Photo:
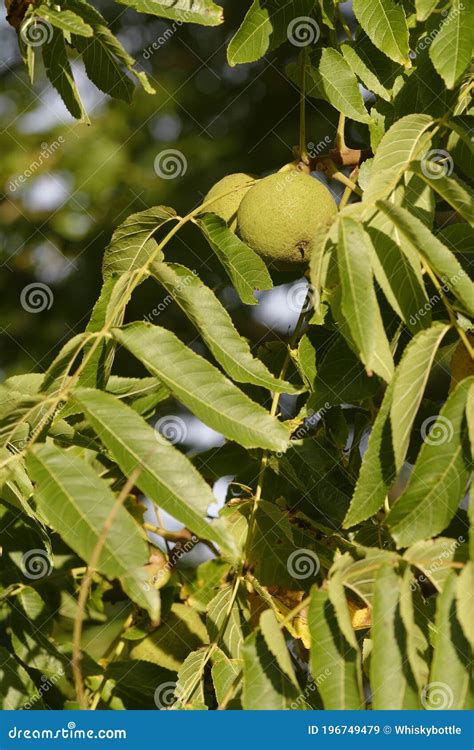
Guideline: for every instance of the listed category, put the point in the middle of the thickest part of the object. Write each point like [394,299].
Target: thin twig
[273,412]
[85,587]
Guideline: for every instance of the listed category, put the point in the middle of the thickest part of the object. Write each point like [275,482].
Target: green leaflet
[103,67]
[440,475]
[105,56]
[189,689]
[417,646]
[359,65]
[424,8]
[204,12]
[399,275]
[450,188]
[135,683]
[132,246]
[265,686]
[406,140]
[435,557]
[377,471]
[231,638]
[465,601]
[58,371]
[442,261]
[337,597]
[396,264]
[325,247]
[458,237]
[77,503]
[358,576]
[224,673]
[451,49]
[333,657]
[16,685]
[392,682]
[385,23]
[108,310]
[245,268]
[60,75]
[266,26]
[409,384]
[450,682]
[142,394]
[340,378]
[202,388]
[66,20]
[359,302]
[470,429]
[181,632]
[167,476]
[216,327]
[276,643]
[15,485]
[340,86]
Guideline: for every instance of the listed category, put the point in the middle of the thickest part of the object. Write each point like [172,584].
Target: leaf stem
[348,191]
[451,314]
[340,141]
[212,646]
[85,587]
[282,623]
[343,23]
[273,411]
[116,653]
[303,154]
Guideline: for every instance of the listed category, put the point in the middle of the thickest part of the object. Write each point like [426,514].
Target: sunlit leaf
[440,475]
[202,388]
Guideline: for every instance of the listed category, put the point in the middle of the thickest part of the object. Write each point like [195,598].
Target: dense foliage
[338,571]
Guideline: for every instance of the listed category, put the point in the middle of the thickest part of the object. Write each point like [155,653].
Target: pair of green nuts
[278,216]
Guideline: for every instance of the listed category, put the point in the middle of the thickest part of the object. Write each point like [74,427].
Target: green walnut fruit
[280,217]
[227,206]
